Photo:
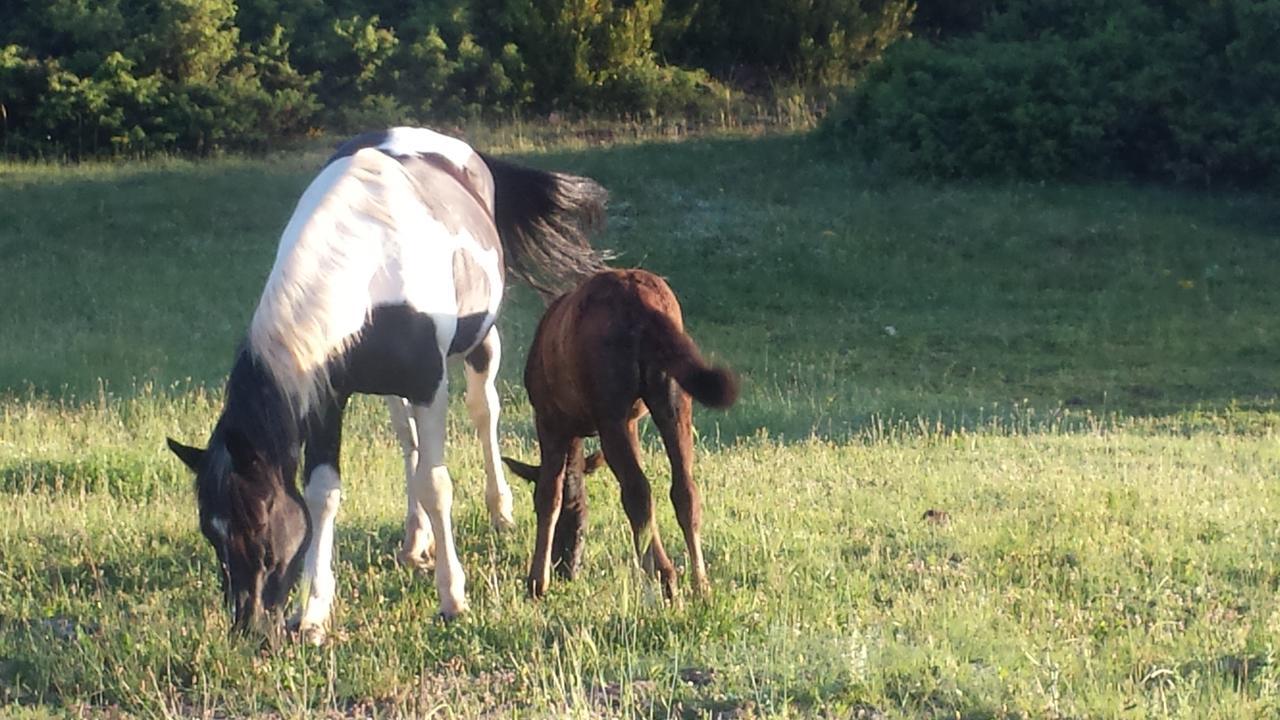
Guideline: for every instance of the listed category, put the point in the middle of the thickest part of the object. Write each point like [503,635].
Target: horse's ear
[243,455]
[528,472]
[190,456]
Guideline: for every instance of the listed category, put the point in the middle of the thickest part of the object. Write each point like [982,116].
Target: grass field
[1082,378]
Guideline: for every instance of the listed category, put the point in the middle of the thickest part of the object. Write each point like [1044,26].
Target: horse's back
[375,231]
[456,157]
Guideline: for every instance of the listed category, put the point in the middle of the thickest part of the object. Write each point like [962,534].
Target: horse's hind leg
[432,488]
[621,450]
[672,411]
[419,547]
[323,493]
[482,404]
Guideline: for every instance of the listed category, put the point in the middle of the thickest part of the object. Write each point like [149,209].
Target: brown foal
[604,354]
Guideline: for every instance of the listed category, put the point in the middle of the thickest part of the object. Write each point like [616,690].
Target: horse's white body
[361,238]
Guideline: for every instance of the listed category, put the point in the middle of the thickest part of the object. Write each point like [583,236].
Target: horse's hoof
[423,562]
[448,616]
[500,512]
[313,635]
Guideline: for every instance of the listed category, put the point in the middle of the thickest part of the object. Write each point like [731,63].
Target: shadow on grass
[122,477]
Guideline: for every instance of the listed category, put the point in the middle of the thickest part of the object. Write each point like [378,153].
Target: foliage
[81,78]
[1188,91]
[814,43]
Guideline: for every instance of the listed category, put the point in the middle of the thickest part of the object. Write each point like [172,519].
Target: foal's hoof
[535,588]
[702,588]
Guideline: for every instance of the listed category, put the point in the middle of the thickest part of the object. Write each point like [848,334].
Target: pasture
[1080,381]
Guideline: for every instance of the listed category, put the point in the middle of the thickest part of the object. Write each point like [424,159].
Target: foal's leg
[621,450]
[419,549]
[672,411]
[566,546]
[323,493]
[482,404]
[432,488]
[554,448]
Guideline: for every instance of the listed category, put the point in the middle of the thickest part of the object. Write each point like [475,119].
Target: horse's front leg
[432,489]
[323,493]
[482,404]
[419,549]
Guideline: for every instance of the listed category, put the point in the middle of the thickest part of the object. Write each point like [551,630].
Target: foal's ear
[528,472]
[190,456]
[593,462]
[243,455]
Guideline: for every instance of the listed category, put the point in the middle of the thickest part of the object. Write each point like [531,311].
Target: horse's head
[258,525]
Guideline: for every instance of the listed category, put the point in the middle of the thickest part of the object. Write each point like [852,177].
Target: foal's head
[258,525]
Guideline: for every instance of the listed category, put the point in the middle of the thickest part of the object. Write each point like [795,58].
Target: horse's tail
[545,220]
[673,350]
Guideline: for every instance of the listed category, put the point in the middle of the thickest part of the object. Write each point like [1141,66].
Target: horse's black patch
[324,437]
[396,354]
[471,330]
[371,139]
[479,358]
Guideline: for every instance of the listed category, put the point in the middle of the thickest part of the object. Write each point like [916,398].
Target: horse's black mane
[257,408]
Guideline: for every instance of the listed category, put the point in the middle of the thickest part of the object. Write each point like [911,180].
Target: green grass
[1082,377]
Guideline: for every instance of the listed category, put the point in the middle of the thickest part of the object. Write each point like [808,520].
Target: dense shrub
[814,42]
[81,77]
[1187,91]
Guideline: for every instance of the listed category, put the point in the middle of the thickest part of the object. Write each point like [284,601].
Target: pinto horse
[603,354]
[392,262]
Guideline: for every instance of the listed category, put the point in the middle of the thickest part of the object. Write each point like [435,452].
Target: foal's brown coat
[604,354]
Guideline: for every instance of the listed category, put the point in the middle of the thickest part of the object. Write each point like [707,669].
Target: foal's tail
[673,350]
[545,220]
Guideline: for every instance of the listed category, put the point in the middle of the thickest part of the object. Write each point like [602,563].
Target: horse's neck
[256,406]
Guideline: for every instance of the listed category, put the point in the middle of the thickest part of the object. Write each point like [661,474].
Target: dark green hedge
[1185,90]
[82,77]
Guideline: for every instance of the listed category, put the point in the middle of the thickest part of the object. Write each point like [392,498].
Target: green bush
[91,77]
[81,78]
[1184,91]
[815,42]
